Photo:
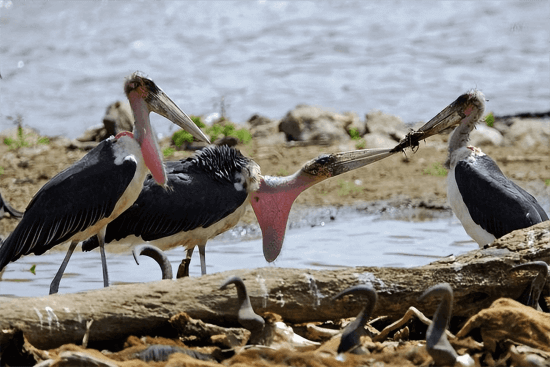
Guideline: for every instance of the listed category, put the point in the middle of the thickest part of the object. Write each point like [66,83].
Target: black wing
[495,203]
[70,202]
[194,200]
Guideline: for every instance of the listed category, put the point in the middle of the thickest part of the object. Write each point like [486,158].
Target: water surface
[351,239]
[64,62]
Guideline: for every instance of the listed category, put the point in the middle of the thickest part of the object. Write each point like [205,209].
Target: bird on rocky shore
[5,207]
[81,200]
[350,341]
[487,203]
[208,196]
[437,344]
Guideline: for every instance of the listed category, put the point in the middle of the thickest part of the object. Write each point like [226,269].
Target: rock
[378,140]
[266,130]
[385,124]
[309,123]
[485,136]
[118,117]
[528,133]
[93,134]
[258,120]
[356,123]
[230,141]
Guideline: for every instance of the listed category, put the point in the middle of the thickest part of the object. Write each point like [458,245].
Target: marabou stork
[208,196]
[80,201]
[487,203]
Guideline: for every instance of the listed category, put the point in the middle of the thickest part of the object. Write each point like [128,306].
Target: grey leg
[101,238]
[203,259]
[54,286]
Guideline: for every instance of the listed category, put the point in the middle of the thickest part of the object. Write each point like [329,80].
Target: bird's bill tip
[164,106]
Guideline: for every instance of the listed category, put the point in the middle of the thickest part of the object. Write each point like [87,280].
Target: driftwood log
[478,278]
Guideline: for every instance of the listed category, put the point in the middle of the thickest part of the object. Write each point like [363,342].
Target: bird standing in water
[81,200]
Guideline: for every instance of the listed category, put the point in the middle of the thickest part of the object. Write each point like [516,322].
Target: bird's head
[273,200]
[145,97]
[330,165]
[467,109]
[155,100]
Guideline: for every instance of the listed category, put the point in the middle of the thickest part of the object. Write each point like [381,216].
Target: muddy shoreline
[407,185]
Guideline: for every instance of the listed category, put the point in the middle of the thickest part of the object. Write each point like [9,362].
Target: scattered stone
[310,123]
[385,124]
[118,117]
[486,136]
[378,140]
[528,133]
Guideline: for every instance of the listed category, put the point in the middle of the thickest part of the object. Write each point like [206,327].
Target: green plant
[197,121]
[167,152]
[347,187]
[22,139]
[490,119]
[360,144]
[1,170]
[33,269]
[228,129]
[244,135]
[220,128]
[436,170]
[354,133]
[547,181]
[180,137]
[214,131]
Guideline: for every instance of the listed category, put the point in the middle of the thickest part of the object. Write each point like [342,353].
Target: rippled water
[351,239]
[64,62]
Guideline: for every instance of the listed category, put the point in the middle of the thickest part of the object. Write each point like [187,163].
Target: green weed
[22,139]
[436,170]
[360,144]
[33,269]
[490,119]
[354,133]
[167,152]
[221,128]
[547,181]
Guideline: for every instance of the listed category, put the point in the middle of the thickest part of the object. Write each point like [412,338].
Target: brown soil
[399,179]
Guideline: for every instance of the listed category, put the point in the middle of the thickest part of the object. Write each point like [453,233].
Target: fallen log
[299,295]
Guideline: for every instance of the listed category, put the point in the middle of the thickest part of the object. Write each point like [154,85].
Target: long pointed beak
[348,161]
[466,107]
[160,103]
[273,200]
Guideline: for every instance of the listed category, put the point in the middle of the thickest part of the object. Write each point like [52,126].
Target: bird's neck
[459,139]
